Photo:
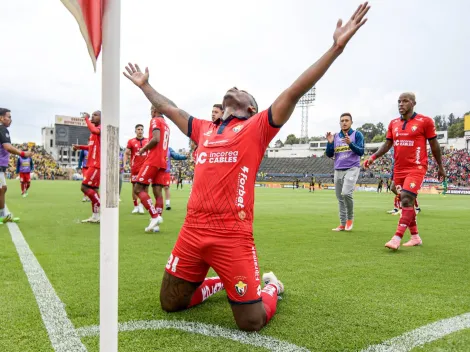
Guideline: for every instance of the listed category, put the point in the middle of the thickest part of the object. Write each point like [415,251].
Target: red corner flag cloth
[88,14]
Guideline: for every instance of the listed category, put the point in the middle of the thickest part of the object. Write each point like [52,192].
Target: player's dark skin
[141,187]
[406,104]
[175,293]
[95,120]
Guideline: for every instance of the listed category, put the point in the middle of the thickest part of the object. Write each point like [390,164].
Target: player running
[136,161]
[408,135]
[218,229]
[152,171]
[5,149]
[24,167]
[91,180]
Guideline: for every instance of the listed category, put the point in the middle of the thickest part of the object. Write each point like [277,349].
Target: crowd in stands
[457,165]
[45,167]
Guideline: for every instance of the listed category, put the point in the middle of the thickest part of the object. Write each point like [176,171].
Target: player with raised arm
[408,135]
[91,180]
[136,161]
[5,149]
[218,229]
[152,171]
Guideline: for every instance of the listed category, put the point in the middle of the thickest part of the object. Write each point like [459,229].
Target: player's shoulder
[395,120]
[423,118]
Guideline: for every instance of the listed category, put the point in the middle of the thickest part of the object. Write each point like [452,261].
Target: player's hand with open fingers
[343,34]
[135,75]
[74,146]
[441,173]
[330,137]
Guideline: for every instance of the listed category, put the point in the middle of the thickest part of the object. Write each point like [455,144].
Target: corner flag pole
[109,228]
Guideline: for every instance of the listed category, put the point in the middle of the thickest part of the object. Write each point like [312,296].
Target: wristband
[373,157]
[22,154]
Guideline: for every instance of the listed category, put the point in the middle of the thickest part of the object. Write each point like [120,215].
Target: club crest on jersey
[242,215]
[412,185]
[414,128]
[241,288]
[237,128]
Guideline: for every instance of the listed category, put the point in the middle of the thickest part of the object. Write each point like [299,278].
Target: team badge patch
[237,128]
[241,288]
[414,128]
[412,185]
[242,215]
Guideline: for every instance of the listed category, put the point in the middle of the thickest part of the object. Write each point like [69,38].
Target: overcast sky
[196,50]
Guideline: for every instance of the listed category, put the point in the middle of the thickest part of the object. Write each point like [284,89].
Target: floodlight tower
[305,102]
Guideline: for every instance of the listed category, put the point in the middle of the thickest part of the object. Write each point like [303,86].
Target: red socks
[22,187]
[95,199]
[269,297]
[159,205]
[406,218]
[413,225]
[147,202]
[210,286]
[135,203]
[396,202]
[28,184]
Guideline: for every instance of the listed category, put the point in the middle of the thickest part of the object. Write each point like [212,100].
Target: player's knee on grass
[249,317]
[176,293]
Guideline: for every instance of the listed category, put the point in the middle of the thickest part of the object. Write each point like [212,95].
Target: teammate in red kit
[134,145]
[91,179]
[217,112]
[408,134]
[152,171]
[218,229]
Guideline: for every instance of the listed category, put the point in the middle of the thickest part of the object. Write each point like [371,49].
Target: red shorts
[409,180]
[150,175]
[25,177]
[233,259]
[165,179]
[91,177]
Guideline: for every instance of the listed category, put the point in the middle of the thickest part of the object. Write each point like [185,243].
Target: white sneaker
[153,223]
[397,213]
[92,220]
[270,278]
[392,211]
[136,210]
[141,209]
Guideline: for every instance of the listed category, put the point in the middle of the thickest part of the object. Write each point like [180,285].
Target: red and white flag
[89,14]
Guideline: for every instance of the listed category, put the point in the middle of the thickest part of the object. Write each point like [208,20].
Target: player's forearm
[11,149]
[285,104]
[384,148]
[330,150]
[167,107]
[151,144]
[436,151]
[93,129]
[82,147]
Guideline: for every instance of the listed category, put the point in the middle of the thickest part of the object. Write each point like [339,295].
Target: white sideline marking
[63,336]
[253,339]
[424,334]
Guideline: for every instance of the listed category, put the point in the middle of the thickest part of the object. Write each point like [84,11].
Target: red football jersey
[409,141]
[94,150]
[228,157]
[158,155]
[134,145]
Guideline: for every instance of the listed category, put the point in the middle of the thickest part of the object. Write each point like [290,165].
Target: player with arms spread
[134,145]
[91,179]
[408,134]
[218,229]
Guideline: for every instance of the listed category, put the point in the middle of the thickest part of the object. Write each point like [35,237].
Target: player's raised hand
[75,146]
[347,140]
[134,74]
[28,154]
[344,33]
[330,137]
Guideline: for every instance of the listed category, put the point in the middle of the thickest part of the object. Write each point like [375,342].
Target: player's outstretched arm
[93,129]
[382,151]
[436,152]
[162,104]
[285,104]
[11,149]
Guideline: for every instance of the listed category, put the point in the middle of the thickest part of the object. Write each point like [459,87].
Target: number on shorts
[166,137]
[172,263]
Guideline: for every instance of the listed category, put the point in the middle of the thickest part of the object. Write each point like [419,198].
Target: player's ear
[252,110]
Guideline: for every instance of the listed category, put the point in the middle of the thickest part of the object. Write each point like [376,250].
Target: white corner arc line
[62,333]
[422,335]
[253,339]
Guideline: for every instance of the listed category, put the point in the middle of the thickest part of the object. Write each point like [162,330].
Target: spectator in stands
[346,147]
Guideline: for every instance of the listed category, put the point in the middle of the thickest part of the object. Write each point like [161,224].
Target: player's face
[6,119]
[216,113]
[96,118]
[405,104]
[139,131]
[345,123]
[239,100]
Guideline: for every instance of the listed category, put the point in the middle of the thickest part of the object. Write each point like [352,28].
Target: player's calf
[176,293]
